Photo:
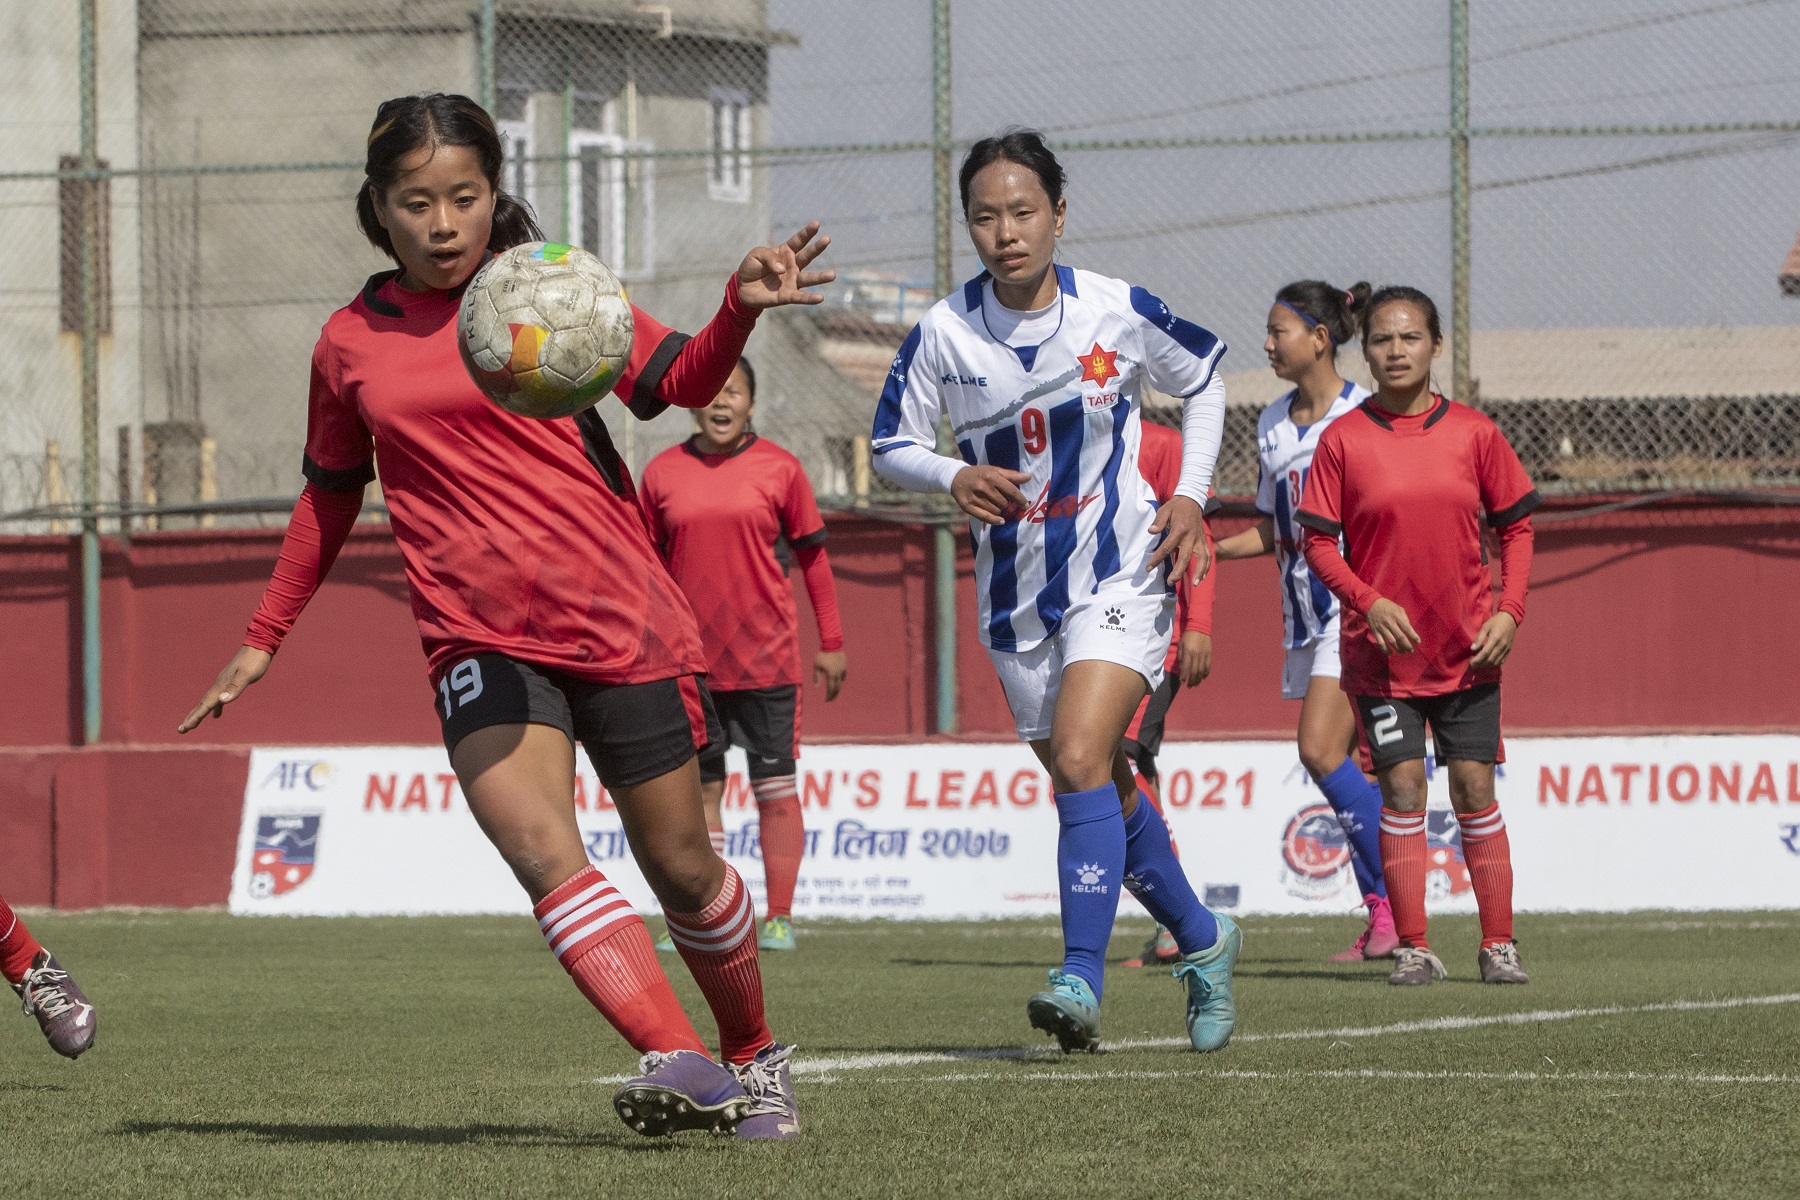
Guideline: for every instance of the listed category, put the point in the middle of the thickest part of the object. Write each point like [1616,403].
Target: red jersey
[1159,462]
[520,536]
[717,519]
[1410,496]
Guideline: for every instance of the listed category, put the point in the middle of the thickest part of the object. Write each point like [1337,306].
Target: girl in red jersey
[1408,480]
[718,505]
[545,613]
[63,1013]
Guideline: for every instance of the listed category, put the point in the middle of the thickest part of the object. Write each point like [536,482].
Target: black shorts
[1464,725]
[631,731]
[1145,744]
[765,722]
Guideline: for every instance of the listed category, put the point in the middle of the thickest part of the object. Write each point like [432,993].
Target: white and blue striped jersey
[1286,451]
[1066,412]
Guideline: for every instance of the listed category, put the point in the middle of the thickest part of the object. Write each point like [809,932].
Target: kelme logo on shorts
[1115,619]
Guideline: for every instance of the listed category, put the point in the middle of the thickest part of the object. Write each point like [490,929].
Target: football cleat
[1159,951]
[1378,938]
[681,1089]
[62,1011]
[1068,1012]
[1500,964]
[777,934]
[665,944]
[1415,966]
[767,1081]
[1211,1010]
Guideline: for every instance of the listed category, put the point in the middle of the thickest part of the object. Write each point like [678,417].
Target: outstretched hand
[772,276]
[1183,546]
[245,668]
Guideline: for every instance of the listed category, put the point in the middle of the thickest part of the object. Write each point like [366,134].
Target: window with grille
[729,175]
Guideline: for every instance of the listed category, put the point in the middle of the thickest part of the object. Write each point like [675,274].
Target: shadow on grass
[300,1133]
[1038,964]
[32,1087]
[1314,973]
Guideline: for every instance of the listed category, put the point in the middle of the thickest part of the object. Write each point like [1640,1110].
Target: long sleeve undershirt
[1516,543]
[322,520]
[1202,429]
[815,569]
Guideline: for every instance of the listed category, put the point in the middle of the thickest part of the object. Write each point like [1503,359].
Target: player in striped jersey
[1039,370]
[1308,322]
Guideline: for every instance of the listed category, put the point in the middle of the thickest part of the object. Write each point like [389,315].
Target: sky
[1581,232]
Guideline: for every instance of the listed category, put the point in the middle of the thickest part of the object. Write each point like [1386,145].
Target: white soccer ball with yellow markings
[545,330]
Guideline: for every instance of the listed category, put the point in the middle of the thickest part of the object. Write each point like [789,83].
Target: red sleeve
[650,500]
[815,568]
[315,533]
[801,523]
[671,368]
[1196,600]
[1321,512]
[340,454]
[1516,542]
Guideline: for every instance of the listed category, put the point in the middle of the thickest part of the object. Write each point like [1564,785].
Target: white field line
[1369,1073]
[818,1068]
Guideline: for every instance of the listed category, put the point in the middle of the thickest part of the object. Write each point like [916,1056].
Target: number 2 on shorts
[1387,725]
[464,679]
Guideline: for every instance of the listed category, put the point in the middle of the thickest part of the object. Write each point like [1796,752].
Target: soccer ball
[545,330]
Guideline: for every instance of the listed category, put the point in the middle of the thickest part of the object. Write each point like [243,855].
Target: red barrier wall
[1644,620]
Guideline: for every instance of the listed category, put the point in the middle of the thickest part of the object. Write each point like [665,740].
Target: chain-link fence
[1633,188]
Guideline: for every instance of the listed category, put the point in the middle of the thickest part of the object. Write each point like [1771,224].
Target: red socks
[602,943]
[783,835]
[1488,855]
[718,944]
[716,834]
[1403,860]
[18,949]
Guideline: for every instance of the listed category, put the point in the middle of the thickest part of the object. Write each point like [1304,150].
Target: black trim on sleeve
[1315,522]
[1213,505]
[643,403]
[602,453]
[1368,410]
[815,538]
[384,308]
[1515,512]
[350,479]
[1438,413]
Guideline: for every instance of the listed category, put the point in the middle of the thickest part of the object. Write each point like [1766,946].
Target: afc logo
[296,773]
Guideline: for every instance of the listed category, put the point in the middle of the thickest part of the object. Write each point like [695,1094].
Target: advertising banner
[969,830]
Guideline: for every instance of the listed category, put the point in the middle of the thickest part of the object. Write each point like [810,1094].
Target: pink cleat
[1378,940]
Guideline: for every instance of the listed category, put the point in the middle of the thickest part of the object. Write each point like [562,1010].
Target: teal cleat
[777,934]
[1211,1012]
[665,944]
[1067,1012]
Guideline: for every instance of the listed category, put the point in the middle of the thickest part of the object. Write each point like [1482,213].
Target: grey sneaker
[62,1011]
[773,1114]
[1415,966]
[1500,964]
[681,1089]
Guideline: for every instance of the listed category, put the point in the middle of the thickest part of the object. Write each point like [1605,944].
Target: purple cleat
[681,1089]
[773,1115]
[62,1011]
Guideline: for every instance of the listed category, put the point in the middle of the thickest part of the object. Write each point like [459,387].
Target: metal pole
[944,610]
[90,380]
[1460,335]
[567,226]
[484,54]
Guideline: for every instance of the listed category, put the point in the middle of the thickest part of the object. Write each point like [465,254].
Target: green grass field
[452,1057]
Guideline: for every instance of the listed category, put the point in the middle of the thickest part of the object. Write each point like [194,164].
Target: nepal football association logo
[1446,874]
[284,855]
[1315,854]
[1088,879]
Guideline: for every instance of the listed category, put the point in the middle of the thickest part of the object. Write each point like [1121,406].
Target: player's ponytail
[1337,311]
[407,124]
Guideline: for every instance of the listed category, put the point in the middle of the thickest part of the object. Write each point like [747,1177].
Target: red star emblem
[1097,365]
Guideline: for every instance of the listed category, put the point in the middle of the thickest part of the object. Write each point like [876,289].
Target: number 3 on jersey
[461,683]
[1034,434]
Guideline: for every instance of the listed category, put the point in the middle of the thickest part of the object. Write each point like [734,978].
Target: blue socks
[1155,877]
[1357,803]
[1090,865]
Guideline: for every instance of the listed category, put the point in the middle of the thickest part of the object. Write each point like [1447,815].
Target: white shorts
[1306,663]
[1117,625]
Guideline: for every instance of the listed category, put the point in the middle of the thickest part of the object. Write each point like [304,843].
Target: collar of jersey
[382,306]
[1386,420]
[692,446]
[974,297]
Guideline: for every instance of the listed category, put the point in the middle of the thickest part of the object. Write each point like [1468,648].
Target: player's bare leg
[713,923]
[1488,854]
[1403,859]
[519,781]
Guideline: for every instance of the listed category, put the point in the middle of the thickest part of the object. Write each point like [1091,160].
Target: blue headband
[1310,323]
